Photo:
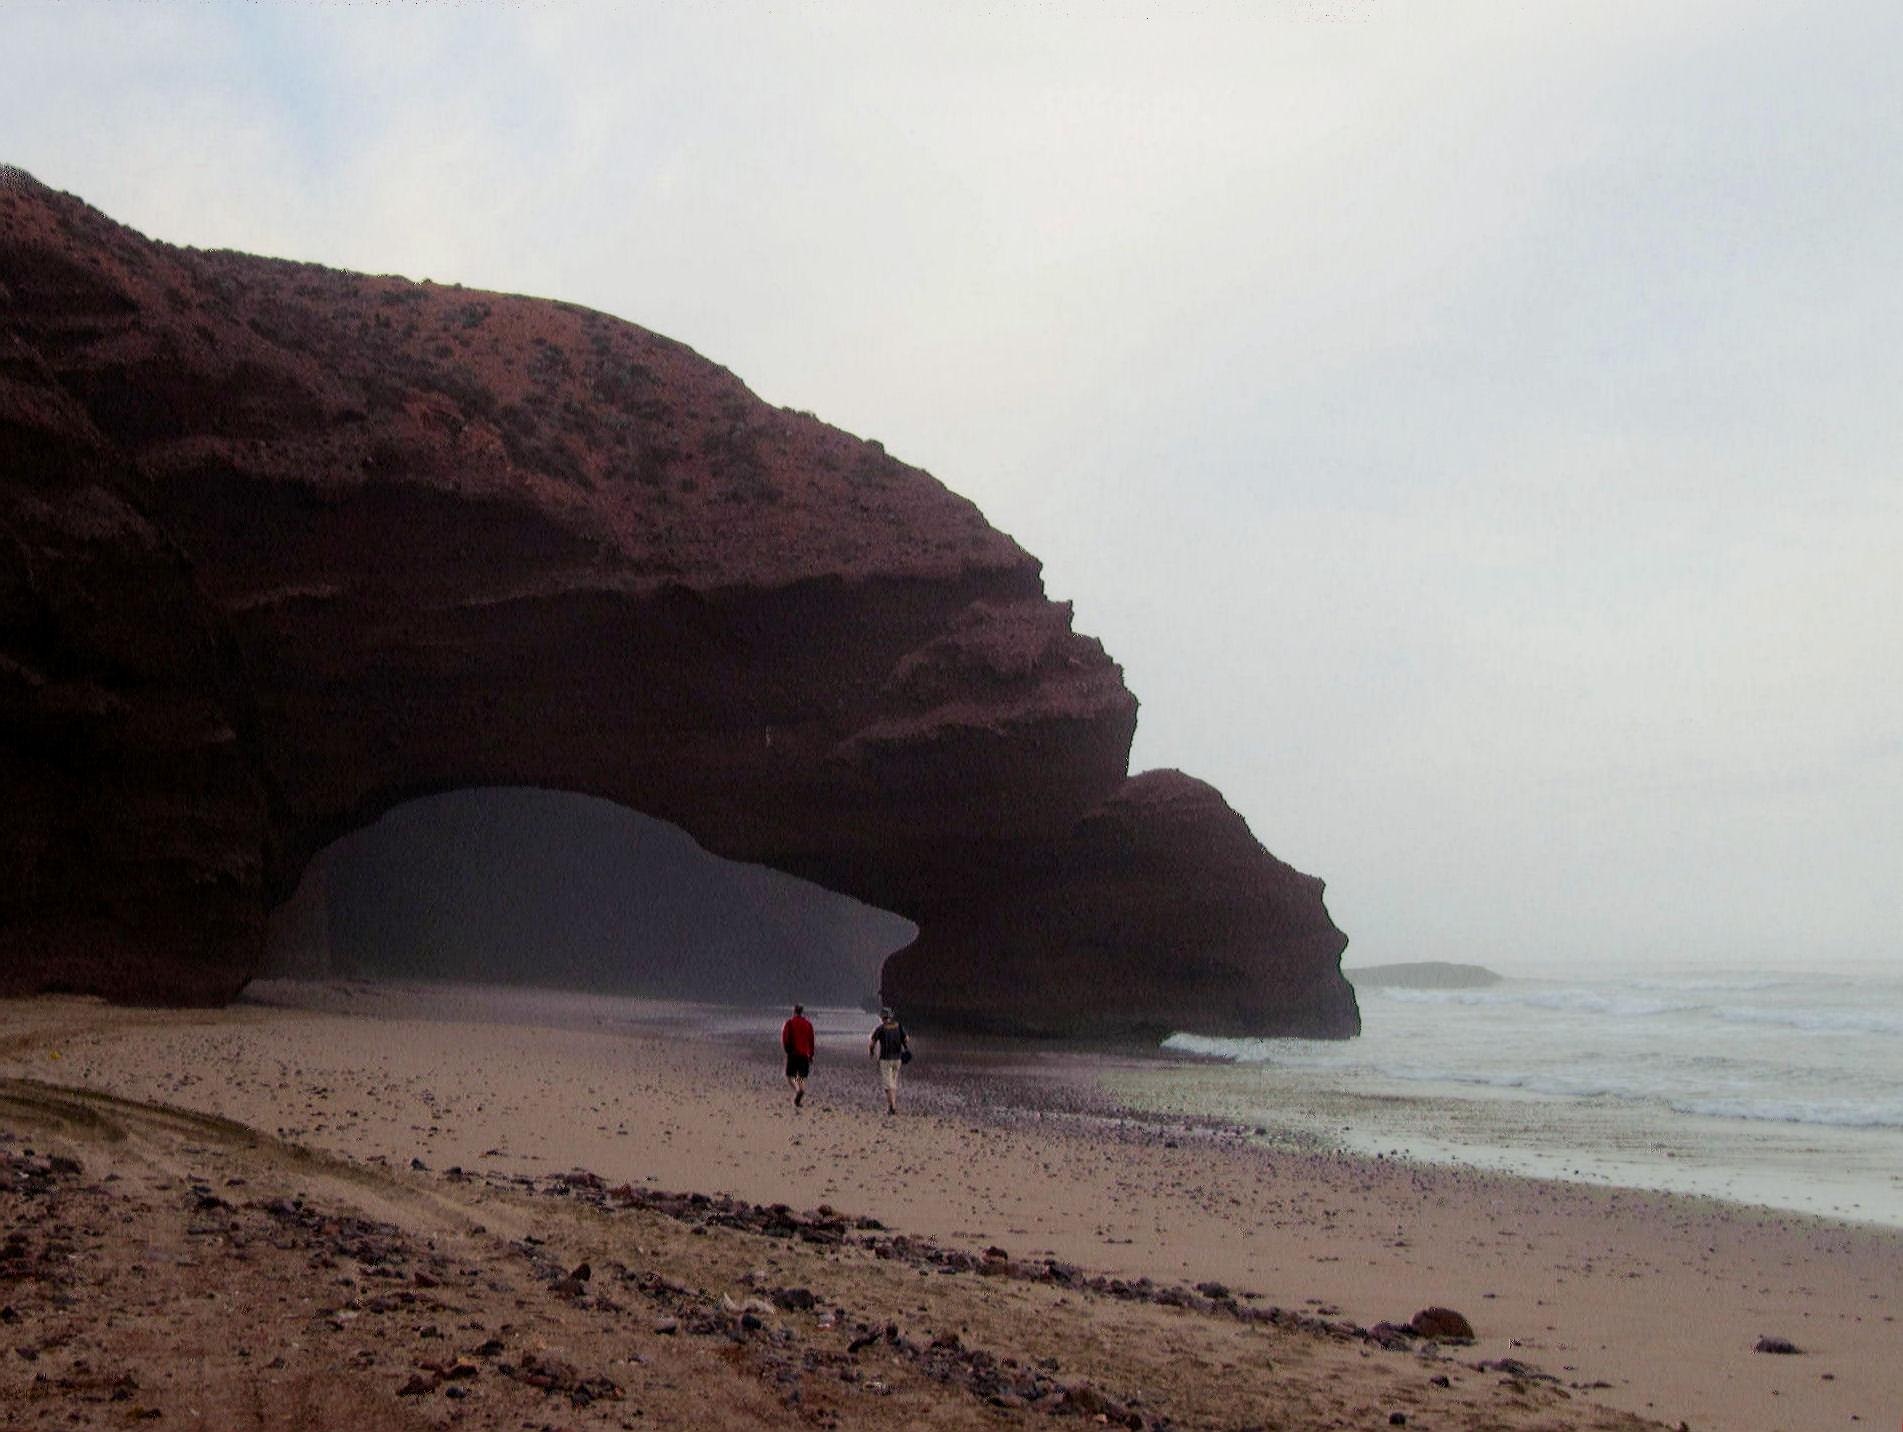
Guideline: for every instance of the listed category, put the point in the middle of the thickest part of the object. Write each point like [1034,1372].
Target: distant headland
[1422,974]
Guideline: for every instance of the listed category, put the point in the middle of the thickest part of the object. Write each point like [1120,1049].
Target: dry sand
[1642,1303]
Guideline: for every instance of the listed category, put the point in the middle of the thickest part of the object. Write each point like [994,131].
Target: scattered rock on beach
[1442,1324]
[1512,1367]
[1783,1346]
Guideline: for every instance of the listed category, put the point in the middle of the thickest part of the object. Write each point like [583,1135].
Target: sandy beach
[1592,1307]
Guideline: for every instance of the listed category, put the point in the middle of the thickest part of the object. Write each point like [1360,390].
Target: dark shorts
[798,1066]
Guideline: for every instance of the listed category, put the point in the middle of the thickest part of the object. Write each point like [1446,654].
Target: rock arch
[524,886]
[285,546]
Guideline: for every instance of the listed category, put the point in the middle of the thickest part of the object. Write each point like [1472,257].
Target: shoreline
[1546,1137]
[1659,1298]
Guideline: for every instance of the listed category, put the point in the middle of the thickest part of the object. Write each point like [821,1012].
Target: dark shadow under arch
[517,885]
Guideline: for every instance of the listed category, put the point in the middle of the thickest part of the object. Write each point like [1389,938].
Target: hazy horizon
[1473,428]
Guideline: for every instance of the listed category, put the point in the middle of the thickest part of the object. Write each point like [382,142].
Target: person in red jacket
[796,1038]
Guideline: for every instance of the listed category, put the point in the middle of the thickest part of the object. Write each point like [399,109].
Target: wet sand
[1645,1303]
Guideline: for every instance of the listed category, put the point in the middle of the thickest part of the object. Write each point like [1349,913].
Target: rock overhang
[290,545]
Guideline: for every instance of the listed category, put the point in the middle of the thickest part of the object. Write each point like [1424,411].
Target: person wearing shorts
[890,1047]
[796,1038]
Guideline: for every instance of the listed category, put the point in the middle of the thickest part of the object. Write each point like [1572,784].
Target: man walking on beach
[796,1038]
[889,1046]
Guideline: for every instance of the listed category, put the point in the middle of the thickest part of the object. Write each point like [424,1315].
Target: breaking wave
[1690,985]
[1848,1114]
[1629,1006]
[1688,1085]
[1821,1021]
[1764,1084]
[1580,1001]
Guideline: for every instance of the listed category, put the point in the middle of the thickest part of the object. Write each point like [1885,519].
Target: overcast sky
[1474,427]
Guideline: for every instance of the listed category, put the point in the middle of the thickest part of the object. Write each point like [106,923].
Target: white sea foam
[1663,1090]
[1574,1083]
[1580,1001]
[1569,1083]
[1845,1114]
[1236,1051]
[1620,1006]
[1628,1043]
[1740,985]
[1580,1084]
[1745,1083]
[1821,1021]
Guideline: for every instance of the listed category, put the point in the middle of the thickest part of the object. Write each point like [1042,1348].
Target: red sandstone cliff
[281,547]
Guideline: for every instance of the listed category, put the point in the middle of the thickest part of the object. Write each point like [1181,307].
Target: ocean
[1767,1087]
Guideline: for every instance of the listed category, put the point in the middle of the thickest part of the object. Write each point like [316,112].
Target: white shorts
[889,1073]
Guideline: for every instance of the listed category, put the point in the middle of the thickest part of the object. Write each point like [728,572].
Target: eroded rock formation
[281,547]
[1159,911]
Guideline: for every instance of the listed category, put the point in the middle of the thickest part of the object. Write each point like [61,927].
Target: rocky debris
[377,1274]
[38,1248]
[35,1176]
[381,1250]
[827,1226]
[783,1354]
[1512,1369]
[287,544]
[1782,1346]
[1442,1324]
[551,1374]
[1088,1401]
[479,1334]
[824,1226]
[1003,1382]
[754,1308]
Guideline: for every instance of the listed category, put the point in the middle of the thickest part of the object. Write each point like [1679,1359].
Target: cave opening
[524,886]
